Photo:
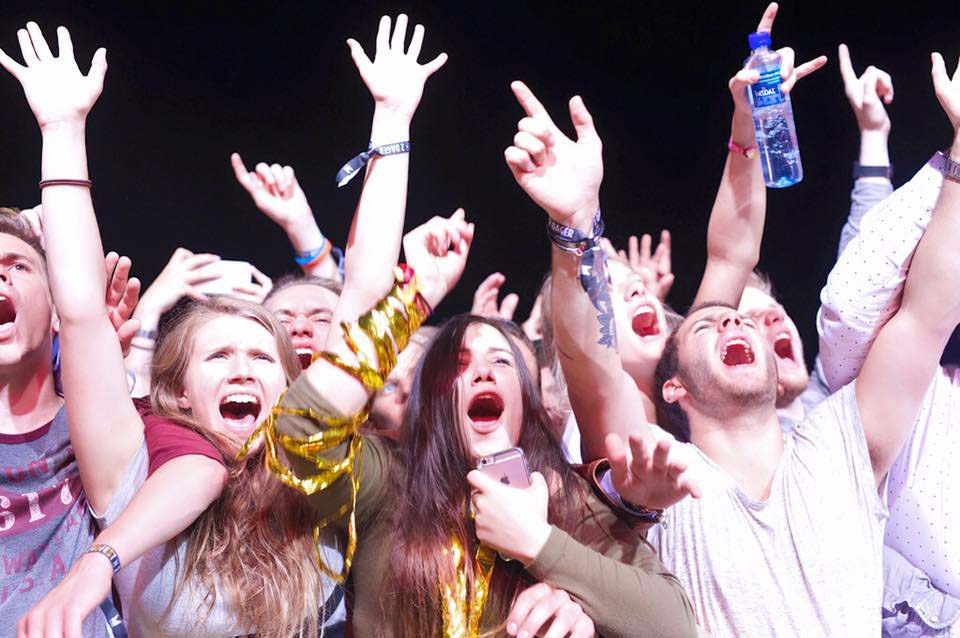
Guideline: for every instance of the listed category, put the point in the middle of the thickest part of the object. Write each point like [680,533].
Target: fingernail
[523,634]
[512,629]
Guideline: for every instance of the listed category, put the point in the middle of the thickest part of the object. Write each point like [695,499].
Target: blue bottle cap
[757,40]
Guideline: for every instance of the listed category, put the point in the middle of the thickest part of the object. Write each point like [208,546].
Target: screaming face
[641,324]
[233,377]
[305,310]
[27,320]
[781,334]
[489,395]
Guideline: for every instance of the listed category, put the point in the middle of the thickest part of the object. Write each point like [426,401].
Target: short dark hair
[11,223]
[672,417]
[297,279]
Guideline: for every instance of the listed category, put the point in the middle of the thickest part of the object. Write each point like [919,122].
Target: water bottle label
[766,92]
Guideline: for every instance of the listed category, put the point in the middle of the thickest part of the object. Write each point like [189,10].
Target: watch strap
[951,168]
[859,170]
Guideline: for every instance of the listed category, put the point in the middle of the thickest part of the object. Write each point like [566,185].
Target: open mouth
[783,347]
[645,322]
[240,411]
[305,355]
[737,352]
[8,313]
[485,408]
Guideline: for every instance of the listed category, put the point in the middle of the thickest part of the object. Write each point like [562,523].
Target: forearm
[634,599]
[867,191]
[372,251]
[373,247]
[71,235]
[736,223]
[170,500]
[863,289]
[604,399]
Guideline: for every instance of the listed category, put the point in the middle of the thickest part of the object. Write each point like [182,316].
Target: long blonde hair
[254,545]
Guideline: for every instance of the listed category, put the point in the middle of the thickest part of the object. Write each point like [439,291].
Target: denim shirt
[911,605]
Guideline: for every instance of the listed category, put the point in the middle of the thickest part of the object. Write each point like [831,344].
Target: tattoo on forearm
[593,279]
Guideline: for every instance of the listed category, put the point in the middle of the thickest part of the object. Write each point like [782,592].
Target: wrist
[955,147]
[389,126]
[873,148]
[94,567]
[742,130]
[582,218]
[537,538]
[303,232]
[149,313]
[64,127]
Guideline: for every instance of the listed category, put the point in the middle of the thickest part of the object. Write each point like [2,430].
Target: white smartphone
[230,275]
[509,467]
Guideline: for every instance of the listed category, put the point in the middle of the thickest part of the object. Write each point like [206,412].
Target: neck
[28,399]
[645,385]
[793,411]
[748,445]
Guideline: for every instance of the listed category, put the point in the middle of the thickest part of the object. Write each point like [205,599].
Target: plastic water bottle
[773,117]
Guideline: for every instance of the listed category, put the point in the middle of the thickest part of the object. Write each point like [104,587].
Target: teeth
[304,351]
[239,398]
[736,341]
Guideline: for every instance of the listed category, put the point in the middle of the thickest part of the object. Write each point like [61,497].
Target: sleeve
[864,288]
[616,578]
[370,464]
[863,197]
[167,440]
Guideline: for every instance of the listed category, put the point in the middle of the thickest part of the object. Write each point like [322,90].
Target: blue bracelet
[351,168]
[571,240]
[303,259]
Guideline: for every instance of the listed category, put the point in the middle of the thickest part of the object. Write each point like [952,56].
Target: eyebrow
[8,257]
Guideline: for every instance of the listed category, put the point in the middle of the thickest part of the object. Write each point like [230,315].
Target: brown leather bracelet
[85,183]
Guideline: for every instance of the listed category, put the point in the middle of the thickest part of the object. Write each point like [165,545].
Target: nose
[636,289]
[773,316]
[301,327]
[4,277]
[481,371]
[729,320]
[240,369]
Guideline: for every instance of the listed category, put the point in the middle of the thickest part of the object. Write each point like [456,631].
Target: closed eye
[219,354]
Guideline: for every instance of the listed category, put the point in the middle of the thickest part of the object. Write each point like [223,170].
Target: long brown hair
[431,501]
[254,545]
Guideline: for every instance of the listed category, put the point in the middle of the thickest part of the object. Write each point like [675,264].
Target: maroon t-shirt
[167,439]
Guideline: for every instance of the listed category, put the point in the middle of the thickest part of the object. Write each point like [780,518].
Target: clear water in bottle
[773,117]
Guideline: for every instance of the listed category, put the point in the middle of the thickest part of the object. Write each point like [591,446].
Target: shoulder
[167,439]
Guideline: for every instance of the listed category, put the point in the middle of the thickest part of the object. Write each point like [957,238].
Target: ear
[780,390]
[183,401]
[673,390]
[54,319]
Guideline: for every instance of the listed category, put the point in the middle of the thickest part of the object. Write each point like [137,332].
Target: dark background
[189,84]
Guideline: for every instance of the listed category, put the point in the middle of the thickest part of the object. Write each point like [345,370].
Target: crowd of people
[303,457]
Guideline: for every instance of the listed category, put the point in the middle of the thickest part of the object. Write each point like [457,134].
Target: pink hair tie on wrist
[85,183]
[747,151]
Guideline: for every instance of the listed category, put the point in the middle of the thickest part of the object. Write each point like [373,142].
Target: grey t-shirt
[45,524]
[804,562]
[146,585]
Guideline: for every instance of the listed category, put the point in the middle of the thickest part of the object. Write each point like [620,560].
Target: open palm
[56,90]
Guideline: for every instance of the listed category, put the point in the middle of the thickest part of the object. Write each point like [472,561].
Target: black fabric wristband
[872,171]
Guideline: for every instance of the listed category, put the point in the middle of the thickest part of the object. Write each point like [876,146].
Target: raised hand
[437,251]
[947,89]
[57,92]
[485,299]
[533,326]
[180,278]
[394,78]
[867,94]
[647,473]
[275,191]
[790,73]
[123,292]
[655,269]
[561,175]
[511,520]
[544,610]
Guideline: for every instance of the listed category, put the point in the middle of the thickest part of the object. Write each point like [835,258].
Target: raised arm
[395,80]
[563,177]
[902,361]
[867,95]
[277,193]
[736,223]
[105,429]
